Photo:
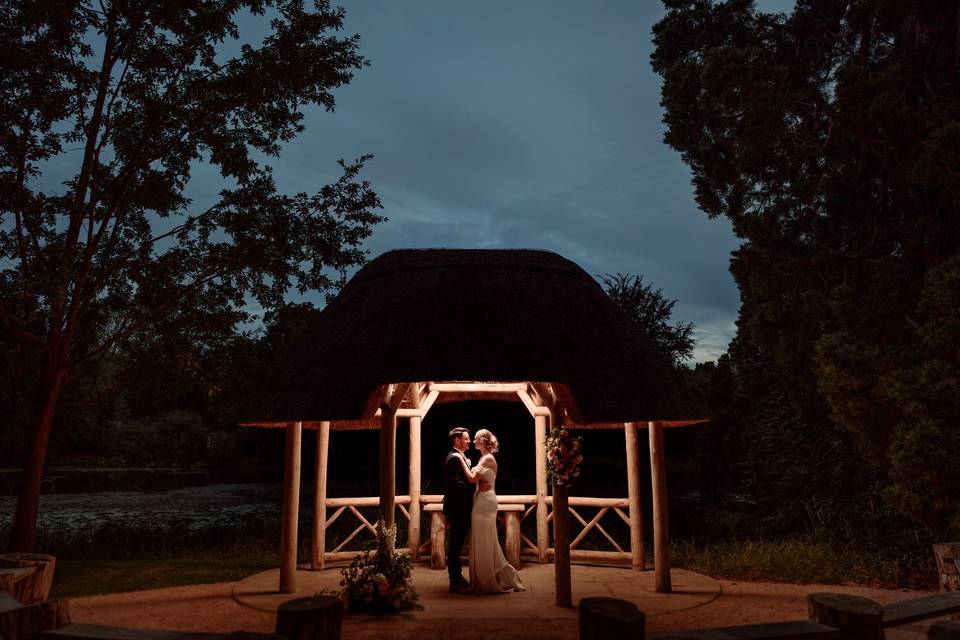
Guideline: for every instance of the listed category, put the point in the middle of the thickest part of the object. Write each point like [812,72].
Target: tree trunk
[23,537]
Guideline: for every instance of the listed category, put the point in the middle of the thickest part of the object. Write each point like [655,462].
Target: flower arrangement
[380,581]
[564,455]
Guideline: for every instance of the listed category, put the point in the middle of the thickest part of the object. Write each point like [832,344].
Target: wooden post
[413,531]
[638,552]
[561,543]
[661,528]
[561,529]
[291,506]
[320,497]
[856,616]
[543,530]
[388,454]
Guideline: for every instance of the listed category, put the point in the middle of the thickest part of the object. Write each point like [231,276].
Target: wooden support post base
[857,617]
[314,618]
[511,536]
[602,618]
[35,587]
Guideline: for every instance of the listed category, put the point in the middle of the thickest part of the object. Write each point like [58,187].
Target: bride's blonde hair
[487,439]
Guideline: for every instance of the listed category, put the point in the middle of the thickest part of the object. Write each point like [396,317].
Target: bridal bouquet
[380,581]
[564,455]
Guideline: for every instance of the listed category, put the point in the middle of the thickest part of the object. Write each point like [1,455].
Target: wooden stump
[27,622]
[948,565]
[946,630]
[857,617]
[314,618]
[511,536]
[438,537]
[602,618]
[34,588]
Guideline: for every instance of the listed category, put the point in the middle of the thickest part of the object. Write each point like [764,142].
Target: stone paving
[537,602]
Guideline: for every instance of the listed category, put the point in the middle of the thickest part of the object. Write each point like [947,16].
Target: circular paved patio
[690,590]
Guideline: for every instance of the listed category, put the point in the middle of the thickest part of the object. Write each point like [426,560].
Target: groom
[457,504]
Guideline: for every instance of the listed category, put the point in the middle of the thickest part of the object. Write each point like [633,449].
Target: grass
[804,561]
[77,578]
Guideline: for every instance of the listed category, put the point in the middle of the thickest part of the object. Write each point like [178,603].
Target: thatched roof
[469,315]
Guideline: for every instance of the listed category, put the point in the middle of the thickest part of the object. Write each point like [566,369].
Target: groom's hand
[484,485]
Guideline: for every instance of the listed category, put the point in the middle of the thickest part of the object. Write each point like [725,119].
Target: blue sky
[499,124]
[525,124]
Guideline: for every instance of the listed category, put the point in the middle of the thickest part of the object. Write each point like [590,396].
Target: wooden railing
[606,508]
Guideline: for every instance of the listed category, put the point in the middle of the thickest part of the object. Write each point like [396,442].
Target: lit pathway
[536,603]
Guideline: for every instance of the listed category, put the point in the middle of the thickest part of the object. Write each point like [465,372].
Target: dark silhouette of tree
[651,311]
[829,137]
[120,261]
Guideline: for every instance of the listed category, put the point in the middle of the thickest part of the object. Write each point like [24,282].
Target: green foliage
[651,311]
[380,581]
[118,263]
[828,137]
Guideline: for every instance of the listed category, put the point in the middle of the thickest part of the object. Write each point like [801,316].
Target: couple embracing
[470,504]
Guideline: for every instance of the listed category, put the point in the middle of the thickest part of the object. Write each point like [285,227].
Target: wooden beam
[428,402]
[637,550]
[320,498]
[531,405]
[413,529]
[543,531]
[478,387]
[661,528]
[291,506]
[399,393]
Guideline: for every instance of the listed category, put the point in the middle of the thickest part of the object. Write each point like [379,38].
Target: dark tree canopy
[651,311]
[830,137]
[119,259]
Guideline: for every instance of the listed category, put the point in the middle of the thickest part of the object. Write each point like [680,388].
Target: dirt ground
[212,608]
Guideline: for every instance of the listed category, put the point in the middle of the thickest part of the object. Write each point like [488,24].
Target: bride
[489,570]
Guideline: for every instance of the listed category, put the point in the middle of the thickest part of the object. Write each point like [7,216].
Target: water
[121,497]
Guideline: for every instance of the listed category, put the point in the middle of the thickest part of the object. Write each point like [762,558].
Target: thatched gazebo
[418,326]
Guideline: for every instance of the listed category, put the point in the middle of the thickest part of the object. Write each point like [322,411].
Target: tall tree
[829,137]
[652,311]
[132,94]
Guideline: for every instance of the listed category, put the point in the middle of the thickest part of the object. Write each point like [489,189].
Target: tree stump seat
[102,632]
[602,618]
[35,586]
[792,630]
[312,618]
[944,630]
[11,577]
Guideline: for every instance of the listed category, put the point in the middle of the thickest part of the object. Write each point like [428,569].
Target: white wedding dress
[489,570]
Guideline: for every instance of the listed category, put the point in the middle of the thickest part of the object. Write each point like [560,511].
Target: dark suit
[457,505]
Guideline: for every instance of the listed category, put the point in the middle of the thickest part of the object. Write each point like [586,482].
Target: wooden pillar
[543,531]
[661,528]
[413,531]
[320,497]
[638,552]
[388,462]
[561,530]
[291,508]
